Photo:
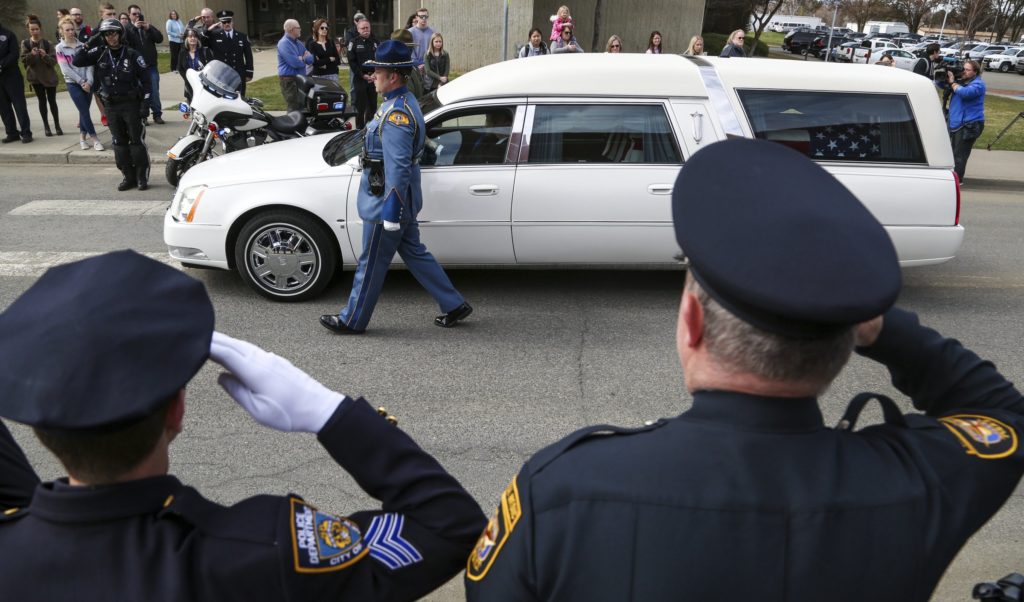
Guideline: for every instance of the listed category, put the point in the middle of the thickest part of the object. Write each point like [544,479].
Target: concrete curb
[993,184]
[73,158]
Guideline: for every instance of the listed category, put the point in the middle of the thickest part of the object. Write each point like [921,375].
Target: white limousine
[570,160]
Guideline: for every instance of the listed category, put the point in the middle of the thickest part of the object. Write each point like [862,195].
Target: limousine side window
[474,137]
[602,133]
[836,126]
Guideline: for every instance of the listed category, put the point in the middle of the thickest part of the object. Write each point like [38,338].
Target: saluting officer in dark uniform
[232,47]
[748,495]
[123,84]
[96,363]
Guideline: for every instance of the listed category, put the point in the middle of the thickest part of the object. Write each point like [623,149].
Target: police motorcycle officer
[232,47]
[390,198]
[123,85]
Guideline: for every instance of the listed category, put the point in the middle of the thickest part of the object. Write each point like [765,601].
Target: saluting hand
[270,388]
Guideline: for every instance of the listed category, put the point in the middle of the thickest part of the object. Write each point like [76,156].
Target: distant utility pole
[504,35]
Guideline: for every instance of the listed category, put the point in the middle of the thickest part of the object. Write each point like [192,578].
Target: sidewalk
[65,149]
[992,170]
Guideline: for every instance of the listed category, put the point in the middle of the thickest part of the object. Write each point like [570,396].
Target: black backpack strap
[890,411]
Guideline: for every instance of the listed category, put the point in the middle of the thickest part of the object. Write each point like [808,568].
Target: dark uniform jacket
[752,498]
[9,53]
[120,74]
[359,51]
[156,539]
[236,50]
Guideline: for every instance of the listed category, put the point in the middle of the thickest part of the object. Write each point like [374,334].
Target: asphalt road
[545,352]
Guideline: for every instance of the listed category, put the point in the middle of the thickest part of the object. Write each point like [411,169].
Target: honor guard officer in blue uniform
[232,47]
[95,361]
[390,198]
[748,495]
[123,84]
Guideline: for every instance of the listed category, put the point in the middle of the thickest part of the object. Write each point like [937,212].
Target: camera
[142,17]
[940,74]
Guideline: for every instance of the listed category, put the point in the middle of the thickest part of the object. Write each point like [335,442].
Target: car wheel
[285,255]
[1005,67]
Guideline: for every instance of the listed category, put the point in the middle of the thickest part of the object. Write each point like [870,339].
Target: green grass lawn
[163,60]
[999,111]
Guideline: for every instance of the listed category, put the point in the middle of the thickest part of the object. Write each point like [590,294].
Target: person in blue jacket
[966,114]
[390,199]
[292,60]
[748,494]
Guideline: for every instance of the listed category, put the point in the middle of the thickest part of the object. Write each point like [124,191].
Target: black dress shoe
[143,185]
[452,318]
[10,139]
[158,120]
[26,139]
[333,322]
[126,184]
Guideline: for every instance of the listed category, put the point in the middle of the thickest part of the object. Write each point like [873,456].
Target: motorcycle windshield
[220,79]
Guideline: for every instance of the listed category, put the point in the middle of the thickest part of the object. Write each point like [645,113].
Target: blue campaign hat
[391,54]
[803,259]
[101,342]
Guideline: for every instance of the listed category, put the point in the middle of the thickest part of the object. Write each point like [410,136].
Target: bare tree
[12,12]
[861,11]
[761,12]
[972,15]
[912,12]
[1009,15]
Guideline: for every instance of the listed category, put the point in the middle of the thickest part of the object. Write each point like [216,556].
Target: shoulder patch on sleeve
[400,118]
[322,542]
[495,534]
[141,61]
[982,436]
[387,546]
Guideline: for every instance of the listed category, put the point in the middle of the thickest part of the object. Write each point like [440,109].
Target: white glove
[270,388]
[392,226]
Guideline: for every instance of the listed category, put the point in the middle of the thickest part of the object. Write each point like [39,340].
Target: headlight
[199,117]
[185,203]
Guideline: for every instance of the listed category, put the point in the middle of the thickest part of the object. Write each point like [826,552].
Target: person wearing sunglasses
[324,51]
[232,47]
[735,45]
[614,44]
[566,42]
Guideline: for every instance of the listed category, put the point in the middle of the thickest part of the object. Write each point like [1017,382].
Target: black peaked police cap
[101,342]
[779,242]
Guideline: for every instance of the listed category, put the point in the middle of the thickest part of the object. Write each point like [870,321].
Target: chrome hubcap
[282,258]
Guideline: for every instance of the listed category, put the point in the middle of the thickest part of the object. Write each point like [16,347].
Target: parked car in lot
[844,52]
[980,51]
[550,162]
[1004,61]
[958,48]
[903,58]
[871,48]
[799,40]
[820,46]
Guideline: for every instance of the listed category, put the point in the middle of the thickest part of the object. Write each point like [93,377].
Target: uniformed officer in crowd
[96,359]
[390,199]
[362,49]
[123,84]
[748,495]
[12,90]
[232,47]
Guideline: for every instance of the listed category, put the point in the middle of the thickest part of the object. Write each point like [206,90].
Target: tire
[1004,68]
[175,168]
[303,264]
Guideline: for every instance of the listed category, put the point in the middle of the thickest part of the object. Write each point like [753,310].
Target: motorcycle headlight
[199,117]
[185,203]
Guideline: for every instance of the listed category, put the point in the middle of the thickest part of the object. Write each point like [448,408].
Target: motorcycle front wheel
[176,168]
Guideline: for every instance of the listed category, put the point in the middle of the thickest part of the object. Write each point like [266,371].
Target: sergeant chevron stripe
[386,544]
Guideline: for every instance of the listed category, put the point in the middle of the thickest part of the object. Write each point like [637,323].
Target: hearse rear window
[836,126]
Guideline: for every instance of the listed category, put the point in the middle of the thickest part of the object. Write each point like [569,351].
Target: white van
[551,161]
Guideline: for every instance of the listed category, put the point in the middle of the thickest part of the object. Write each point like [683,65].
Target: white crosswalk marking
[119,208]
[32,264]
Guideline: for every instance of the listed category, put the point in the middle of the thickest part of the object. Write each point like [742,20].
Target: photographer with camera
[966,113]
[926,65]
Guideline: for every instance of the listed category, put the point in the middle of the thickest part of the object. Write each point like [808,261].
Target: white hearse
[571,160]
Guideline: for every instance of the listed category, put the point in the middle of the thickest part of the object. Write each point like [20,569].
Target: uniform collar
[395,92]
[786,414]
[61,503]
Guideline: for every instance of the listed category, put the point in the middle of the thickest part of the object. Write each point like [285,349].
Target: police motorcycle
[223,121]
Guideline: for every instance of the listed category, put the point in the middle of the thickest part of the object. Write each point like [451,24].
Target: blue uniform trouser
[379,247]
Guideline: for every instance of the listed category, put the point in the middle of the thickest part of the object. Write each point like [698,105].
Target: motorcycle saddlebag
[326,99]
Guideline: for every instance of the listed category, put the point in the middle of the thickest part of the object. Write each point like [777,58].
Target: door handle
[659,189]
[484,189]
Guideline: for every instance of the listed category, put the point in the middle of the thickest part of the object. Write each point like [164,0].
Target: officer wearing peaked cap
[748,495]
[232,47]
[390,198]
[95,357]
